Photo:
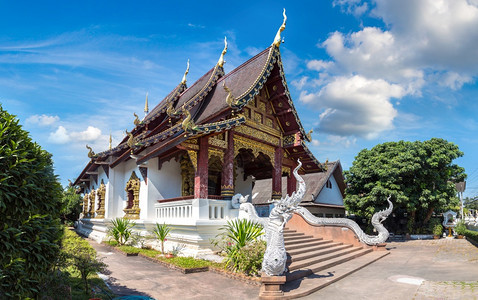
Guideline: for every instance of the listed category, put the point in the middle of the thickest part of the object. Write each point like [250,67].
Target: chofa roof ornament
[185,74]
[278,39]
[221,60]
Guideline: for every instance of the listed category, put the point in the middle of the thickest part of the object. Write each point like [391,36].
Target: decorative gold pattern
[258,117]
[193,156]
[286,170]
[136,121]
[187,175]
[215,152]
[85,205]
[289,140]
[218,142]
[146,107]
[258,134]
[100,212]
[244,143]
[132,191]
[131,140]
[262,106]
[271,131]
[91,209]
[287,123]
[269,123]
[230,100]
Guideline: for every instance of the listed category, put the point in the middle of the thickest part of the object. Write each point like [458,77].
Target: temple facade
[183,162]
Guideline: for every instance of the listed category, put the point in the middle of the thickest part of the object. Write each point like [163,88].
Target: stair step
[313,282]
[323,258]
[297,237]
[302,240]
[316,242]
[313,247]
[318,252]
[291,234]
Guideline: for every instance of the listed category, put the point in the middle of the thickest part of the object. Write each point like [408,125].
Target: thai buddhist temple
[198,147]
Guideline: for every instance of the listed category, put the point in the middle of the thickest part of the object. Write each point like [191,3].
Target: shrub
[71,205]
[241,232]
[162,231]
[472,235]
[249,258]
[121,230]
[438,230]
[30,205]
[460,228]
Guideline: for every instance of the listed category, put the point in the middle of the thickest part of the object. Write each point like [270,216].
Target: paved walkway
[427,269]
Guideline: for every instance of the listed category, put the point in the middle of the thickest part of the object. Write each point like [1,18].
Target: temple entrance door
[259,166]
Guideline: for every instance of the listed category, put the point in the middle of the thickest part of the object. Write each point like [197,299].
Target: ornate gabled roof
[212,104]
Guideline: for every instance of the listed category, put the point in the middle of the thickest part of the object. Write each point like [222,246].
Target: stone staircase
[314,263]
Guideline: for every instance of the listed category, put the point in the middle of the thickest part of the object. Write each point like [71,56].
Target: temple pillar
[277,174]
[227,180]
[291,183]
[201,177]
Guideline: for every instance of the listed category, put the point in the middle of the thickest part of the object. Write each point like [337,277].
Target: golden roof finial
[277,39]
[111,141]
[185,74]
[146,107]
[221,60]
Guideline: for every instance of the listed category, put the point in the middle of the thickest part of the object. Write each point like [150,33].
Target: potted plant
[437,231]
[460,229]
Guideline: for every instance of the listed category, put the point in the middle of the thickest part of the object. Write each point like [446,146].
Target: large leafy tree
[72,201]
[30,204]
[419,175]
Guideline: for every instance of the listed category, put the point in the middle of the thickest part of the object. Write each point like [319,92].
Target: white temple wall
[163,184]
[242,186]
[118,199]
[330,196]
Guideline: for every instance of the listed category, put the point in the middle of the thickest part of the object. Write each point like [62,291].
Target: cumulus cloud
[424,43]
[355,106]
[62,136]
[42,120]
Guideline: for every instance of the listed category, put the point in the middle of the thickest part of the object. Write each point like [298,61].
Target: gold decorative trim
[100,212]
[277,39]
[85,205]
[221,60]
[132,209]
[286,170]
[271,131]
[218,142]
[91,209]
[244,143]
[258,134]
[215,152]
[193,156]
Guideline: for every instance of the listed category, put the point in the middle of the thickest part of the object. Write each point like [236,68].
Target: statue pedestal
[271,287]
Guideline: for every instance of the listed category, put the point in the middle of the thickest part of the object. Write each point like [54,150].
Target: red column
[227,180]
[291,182]
[201,178]
[277,175]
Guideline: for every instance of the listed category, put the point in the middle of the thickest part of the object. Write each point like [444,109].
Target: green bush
[240,232]
[472,235]
[30,204]
[460,228]
[120,230]
[249,258]
[438,230]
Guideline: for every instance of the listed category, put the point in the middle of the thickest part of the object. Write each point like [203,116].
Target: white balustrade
[194,209]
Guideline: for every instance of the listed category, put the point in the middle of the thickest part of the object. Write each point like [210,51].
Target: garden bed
[124,250]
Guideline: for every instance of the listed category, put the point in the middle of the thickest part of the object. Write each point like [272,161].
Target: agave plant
[162,231]
[121,230]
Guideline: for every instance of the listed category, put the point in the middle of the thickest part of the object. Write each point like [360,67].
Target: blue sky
[360,72]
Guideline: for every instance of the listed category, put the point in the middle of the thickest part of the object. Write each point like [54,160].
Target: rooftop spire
[185,74]
[277,39]
[221,60]
[111,140]
[146,107]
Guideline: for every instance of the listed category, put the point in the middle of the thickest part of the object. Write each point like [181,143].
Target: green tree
[71,204]
[30,204]
[420,177]
[471,203]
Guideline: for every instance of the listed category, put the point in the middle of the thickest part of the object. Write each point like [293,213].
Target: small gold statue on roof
[91,154]
[221,60]
[188,124]
[136,120]
[278,39]
[309,135]
[185,74]
[131,140]
[230,100]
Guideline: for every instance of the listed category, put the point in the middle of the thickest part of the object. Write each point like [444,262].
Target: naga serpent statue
[275,256]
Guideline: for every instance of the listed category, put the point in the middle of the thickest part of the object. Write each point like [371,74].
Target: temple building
[183,162]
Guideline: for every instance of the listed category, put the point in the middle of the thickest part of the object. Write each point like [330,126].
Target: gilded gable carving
[132,195]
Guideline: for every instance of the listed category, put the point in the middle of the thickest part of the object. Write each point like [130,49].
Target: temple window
[132,193]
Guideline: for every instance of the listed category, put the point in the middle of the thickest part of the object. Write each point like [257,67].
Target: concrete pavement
[423,269]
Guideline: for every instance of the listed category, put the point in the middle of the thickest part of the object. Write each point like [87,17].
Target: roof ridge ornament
[146,107]
[91,154]
[230,100]
[111,141]
[221,60]
[185,74]
[277,39]
[136,121]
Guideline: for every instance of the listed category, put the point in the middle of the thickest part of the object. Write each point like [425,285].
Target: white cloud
[60,136]
[42,120]
[89,135]
[299,84]
[252,51]
[354,7]
[355,106]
